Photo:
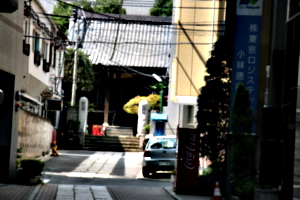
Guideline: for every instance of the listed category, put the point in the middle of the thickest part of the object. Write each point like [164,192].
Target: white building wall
[38,75]
[141,7]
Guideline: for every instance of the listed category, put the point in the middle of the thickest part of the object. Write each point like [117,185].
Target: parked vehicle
[159,154]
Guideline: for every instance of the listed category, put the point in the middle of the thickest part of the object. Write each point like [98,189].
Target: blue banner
[247,51]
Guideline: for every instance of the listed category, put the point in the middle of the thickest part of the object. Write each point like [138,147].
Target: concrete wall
[35,134]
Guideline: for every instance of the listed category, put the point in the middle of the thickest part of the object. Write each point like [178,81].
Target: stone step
[112,143]
[118,131]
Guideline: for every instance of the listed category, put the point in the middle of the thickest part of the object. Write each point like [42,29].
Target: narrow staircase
[116,138]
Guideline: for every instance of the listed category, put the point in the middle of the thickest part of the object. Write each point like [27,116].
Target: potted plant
[31,171]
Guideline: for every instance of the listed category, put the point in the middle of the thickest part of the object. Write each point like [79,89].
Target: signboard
[59,64]
[247,50]
[159,117]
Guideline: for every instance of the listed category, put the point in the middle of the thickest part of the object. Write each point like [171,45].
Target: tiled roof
[131,41]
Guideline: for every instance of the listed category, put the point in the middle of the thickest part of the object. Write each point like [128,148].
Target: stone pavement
[84,192]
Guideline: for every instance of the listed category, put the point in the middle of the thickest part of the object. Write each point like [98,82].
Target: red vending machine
[187,161]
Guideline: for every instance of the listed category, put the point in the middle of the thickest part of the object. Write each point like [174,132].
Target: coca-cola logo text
[189,153]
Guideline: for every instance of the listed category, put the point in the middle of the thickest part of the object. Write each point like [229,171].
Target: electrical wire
[153,6]
[174,28]
[99,19]
[139,81]
[136,71]
[69,41]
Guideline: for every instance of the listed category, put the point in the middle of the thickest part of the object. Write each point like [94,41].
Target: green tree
[85,71]
[109,6]
[162,8]
[243,145]
[213,104]
[132,106]
[84,4]
[62,11]
[161,86]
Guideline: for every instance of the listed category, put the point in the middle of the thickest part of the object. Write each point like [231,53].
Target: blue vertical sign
[247,49]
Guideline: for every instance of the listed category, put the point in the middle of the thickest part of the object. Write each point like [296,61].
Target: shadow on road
[67,161]
[160,175]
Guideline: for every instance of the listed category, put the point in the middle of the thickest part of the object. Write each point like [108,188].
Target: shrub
[32,167]
[30,171]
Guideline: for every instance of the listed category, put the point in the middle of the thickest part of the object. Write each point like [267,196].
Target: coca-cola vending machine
[187,161]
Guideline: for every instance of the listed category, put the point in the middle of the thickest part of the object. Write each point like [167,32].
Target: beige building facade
[197,26]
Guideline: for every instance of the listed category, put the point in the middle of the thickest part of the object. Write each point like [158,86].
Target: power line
[171,24]
[103,42]
[142,43]
[124,4]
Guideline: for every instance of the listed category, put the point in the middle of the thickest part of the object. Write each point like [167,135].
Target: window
[26,31]
[37,56]
[50,55]
[222,28]
[26,45]
[36,41]
[45,55]
[45,50]
[188,116]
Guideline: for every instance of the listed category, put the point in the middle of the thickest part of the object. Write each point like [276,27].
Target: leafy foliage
[162,8]
[215,169]
[109,6]
[85,71]
[132,105]
[213,104]
[65,10]
[84,4]
[243,145]
[161,86]
[242,113]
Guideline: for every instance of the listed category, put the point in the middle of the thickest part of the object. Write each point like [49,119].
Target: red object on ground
[97,130]
[101,130]
[217,192]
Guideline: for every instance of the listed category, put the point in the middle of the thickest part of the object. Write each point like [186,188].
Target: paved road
[101,168]
[92,175]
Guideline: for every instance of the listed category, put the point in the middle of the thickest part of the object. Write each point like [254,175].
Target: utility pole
[74,84]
